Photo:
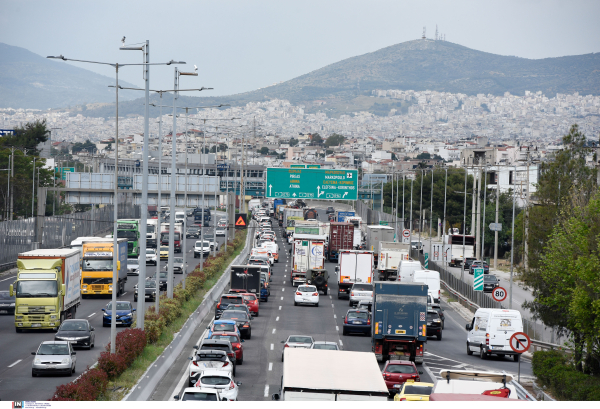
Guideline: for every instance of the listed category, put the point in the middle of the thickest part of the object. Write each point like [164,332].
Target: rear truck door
[316,259]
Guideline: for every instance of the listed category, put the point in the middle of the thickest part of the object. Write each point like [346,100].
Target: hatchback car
[490,282]
[164,252]
[222,326]
[251,300]
[331,346]
[360,292]
[150,257]
[297,341]
[78,332]
[330,209]
[242,320]
[163,279]
[220,230]
[201,248]
[124,314]
[199,394]
[395,373]
[54,357]
[479,264]
[178,265]
[132,266]
[468,261]
[221,381]
[192,232]
[218,344]
[357,321]
[238,307]
[434,324]
[225,300]
[208,359]
[414,391]
[236,342]
[306,294]
[149,291]
[7,303]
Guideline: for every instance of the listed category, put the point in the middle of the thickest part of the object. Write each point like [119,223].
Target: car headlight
[110,288]
[37,361]
[437,320]
[106,314]
[131,315]
[65,361]
[135,291]
[53,317]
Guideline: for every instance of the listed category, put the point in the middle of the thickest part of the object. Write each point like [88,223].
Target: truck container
[307,227]
[48,288]
[340,216]
[376,234]
[341,237]
[253,203]
[152,212]
[310,213]
[178,233]
[289,215]
[390,255]
[453,248]
[337,377]
[308,253]
[130,229]
[246,277]
[276,203]
[399,324]
[358,234]
[355,266]
[97,267]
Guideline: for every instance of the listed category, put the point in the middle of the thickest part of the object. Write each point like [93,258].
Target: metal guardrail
[522,393]
[540,394]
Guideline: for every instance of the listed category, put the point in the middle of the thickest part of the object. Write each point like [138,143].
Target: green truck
[48,288]
[130,229]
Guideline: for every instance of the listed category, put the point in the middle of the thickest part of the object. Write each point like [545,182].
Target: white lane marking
[277,319]
[125,293]
[284,276]
[283,281]
[272,346]
[283,289]
[341,343]
[273,331]
[266,391]
[332,306]
[14,363]
[280,308]
[334,316]
[9,278]
[91,315]
[337,328]
[281,298]
[270,366]
[330,297]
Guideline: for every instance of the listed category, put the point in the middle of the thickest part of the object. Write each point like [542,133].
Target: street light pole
[444,222]
[115,278]
[483,216]
[462,267]
[159,203]
[431,216]
[33,189]
[512,245]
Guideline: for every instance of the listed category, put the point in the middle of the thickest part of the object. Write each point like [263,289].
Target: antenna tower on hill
[423,37]
[436,33]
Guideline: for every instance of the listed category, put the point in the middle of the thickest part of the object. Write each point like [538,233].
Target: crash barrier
[19,236]
[147,383]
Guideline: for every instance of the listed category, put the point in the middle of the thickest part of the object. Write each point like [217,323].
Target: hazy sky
[242,45]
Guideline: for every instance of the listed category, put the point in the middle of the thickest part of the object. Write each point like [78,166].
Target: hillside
[28,80]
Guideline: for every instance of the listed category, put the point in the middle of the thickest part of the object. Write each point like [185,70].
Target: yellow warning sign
[240,222]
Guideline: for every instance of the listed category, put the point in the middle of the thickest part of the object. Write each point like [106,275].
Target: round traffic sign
[406,233]
[436,254]
[520,342]
[499,294]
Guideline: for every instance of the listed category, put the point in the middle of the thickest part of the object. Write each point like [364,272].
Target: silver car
[54,357]
[297,341]
[133,266]
[178,265]
[360,292]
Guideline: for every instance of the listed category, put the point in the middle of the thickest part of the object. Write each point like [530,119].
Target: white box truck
[355,266]
[376,234]
[308,253]
[390,255]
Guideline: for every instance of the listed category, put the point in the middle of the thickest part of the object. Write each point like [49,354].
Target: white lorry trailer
[390,255]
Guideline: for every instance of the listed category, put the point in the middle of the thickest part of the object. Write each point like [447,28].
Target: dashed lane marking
[334,316]
[337,328]
[277,319]
[283,281]
[272,346]
[273,331]
[14,363]
[270,366]
[341,343]
[283,289]
[280,308]
[91,315]
[266,391]
[281,298]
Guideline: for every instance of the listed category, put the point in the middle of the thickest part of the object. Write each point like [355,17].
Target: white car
[332,346]
[297,341]
[54,357]
[133,265]
[208,359]
[221,381]
[360,292]
[220,231]
[201,248]
[306,294]
[199,394]
[151,256]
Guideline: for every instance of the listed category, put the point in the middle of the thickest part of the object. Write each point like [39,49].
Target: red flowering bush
[87,387]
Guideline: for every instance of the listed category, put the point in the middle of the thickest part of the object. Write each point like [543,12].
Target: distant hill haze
[417,65]
[28,80]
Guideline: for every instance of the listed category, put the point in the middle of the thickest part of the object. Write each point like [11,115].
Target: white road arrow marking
[345,193]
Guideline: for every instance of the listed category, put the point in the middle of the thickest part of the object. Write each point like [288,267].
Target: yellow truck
[47,290]
[97,266]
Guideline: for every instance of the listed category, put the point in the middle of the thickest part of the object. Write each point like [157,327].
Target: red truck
[341,237]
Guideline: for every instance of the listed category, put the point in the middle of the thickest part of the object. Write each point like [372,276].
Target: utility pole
[526,238]
[421,208]
[159,203]
[462,267]
[403,215]
[444,222]
[12,175]
[473,200]
[478,220]
[170,280]
[496,220]
[512,247]
[431,216]
[411,212]
[483,216]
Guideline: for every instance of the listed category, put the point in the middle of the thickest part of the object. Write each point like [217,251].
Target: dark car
[125,312]
[163,280]
[440,311]
[396,373]
[490,282]
[7,303]
[78,332]
[434,324]
[221,345]
[150,291]
[357,321]
[225,300]
[468,261]
[479,264]
[330,209]
[242,320]
[192,232]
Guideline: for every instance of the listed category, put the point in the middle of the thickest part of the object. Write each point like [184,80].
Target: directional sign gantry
[323,184]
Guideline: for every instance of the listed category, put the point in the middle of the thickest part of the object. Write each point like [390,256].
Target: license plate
[397,386]
[305,299]
[36,325]
[50,366]
[3,312]
[357,322]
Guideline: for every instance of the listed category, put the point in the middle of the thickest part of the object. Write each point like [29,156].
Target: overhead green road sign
[322,184]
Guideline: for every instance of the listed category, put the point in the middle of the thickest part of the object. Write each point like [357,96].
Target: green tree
[334,140]
[264,150]
[223,147]
[27,137]
[316,139]
[424,155]
[213,149]
[88,146]
[293,142]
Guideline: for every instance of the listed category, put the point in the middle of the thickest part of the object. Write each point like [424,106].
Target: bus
[130,229]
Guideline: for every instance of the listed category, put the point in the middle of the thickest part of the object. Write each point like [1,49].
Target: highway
[16,382]
[262,369]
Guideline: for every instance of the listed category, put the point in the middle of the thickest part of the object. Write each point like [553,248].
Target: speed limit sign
[499,294]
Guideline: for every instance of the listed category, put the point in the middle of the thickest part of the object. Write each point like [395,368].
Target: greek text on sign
[312,183]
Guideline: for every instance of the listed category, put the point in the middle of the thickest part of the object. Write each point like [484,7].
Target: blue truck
[340,216]
[278,202]
[399,324]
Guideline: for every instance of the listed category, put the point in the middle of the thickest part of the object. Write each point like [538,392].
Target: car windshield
[178,260]
[148,251]
[417,390]
[132,261]
[233,314]
[150,228]
[164,248]
[127,234]
[362,287]
[358,315]
[215,380]
[393,368]
[53,349]
[224,327]
[432,315]
[307,288]
[165,236]
[150,284]
[325,346]
[74,326]
[98,265]
[203,396]
[300,339]
[490,278]
[193,229]
[120,306]
[230,338]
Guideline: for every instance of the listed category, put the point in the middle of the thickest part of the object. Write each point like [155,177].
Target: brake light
[352,294]
[286,345]
[226,363]
[218,306]
[231,385]
[369,321]
[487,339]
[246,326]
[402,399]
[195,363]
[298,293]
[346,320]
[315,293]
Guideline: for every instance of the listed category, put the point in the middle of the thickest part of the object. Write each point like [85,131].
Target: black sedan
[468,262]
[78,332]
[242,320]
[7,303]
[440,311]
[490,282]
[162,280]
[192,232]
[434,324]
[330,209]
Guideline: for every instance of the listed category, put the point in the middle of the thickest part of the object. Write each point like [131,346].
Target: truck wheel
[482,354]
[18,330]
[469,352]
[439,336]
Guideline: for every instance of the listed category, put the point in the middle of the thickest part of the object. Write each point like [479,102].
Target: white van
[432,279]
[180,217]
[406,270]
[490,332]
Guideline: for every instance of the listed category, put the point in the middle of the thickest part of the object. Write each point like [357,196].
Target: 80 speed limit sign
[499,294]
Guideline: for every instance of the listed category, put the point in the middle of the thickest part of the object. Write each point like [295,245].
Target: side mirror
[118,265]
[242,341]
[33,353]
[176,397]
[11,291]
[224,399]
[282,342]
[92,329]
[196,347]
[103,309]
[420,372]
[238,383]
[468,327]
[133,310]
[251,318]
[63,289]
[73,353]
[275,396]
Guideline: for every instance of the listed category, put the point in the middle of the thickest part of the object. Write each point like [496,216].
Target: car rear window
[393,368]
[223,327]
[202,396]
[305,340]
[230,338]
[307,289]
[358,315]
[225,299]
[363,287]
[214,346]
[215,380]
[326,346]
[212,357]
[490,278]
[240,315]
[417,390]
